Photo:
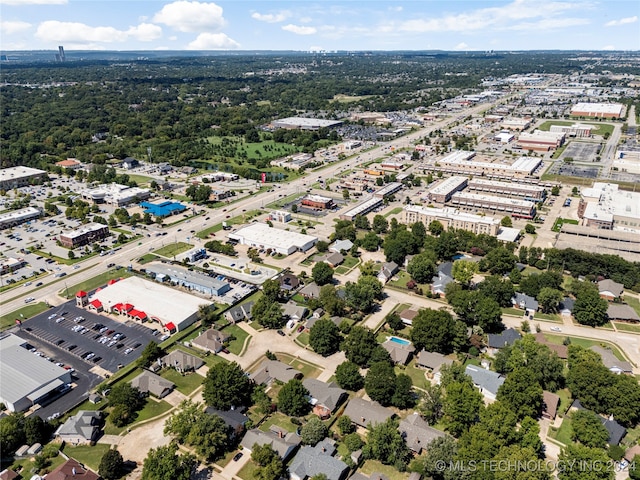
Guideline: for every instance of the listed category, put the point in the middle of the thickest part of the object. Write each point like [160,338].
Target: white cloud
[505,17]
[461,46]
[622,21]
[300,30]
[213,41]
[33,2]
[271,17]
[396,9]
[87,36]
[187,16]
[608,47]
[9,27]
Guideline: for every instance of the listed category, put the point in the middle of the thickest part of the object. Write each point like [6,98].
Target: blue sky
[319,25]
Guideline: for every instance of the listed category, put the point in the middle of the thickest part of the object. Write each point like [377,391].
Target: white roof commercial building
[442,192]
[16,217]
[460,162]
[475,202]
[14,177]
[602,110]
[282,241]
[451,218]
[168,306]
[25,378]
[605,206]
[303,123]
[115,194]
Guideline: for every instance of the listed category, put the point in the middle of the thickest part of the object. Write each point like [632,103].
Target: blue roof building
[163,209]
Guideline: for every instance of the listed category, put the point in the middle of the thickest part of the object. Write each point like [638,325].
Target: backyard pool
[399,340]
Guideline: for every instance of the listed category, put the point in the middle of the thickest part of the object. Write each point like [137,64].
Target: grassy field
[600,128]
[633,302]
[99,280]
[235,346]
[548,317]
[206,233]
[372,466]
[557,225]
[9,319]
[186,383]
[280,420]
[173,249]
[563,434]
[627,327]
[395,211]
[417,375]
[89,456]
[140,179]
[308,370]
[147,257]
[249,471]
[303,338]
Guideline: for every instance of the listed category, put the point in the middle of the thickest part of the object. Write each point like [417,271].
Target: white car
[555,329]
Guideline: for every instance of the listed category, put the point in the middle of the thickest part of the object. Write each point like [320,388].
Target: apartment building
[532,193]
[451,218]
[477,202]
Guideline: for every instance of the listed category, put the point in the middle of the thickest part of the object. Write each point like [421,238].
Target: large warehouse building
[605,206]
[284,242]
[461,163]
[598,110]
[541,141]
[475,202]
[25,378]
[442,192]
[16,217]
[139,299]
[15,177]
[303,123]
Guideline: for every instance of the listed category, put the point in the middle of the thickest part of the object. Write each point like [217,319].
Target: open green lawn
[99,280]
[89,456]
[557,225]
[394,211]
[513,311]
[549,317]
[417,375]
[206,233]
[303,338]
[372,466]
[186,383]
[308,369]
[633,302]
[249,471]
[140,179]
[585,343]
[627,327]
[173,249]
[599,128]
[350,262]
[147,257]
[565,401]
[235,346]
[9,319]
[279,419]
[563,434]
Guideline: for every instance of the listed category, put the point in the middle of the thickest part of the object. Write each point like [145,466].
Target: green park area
[557,225]
[173,249]
[8,320]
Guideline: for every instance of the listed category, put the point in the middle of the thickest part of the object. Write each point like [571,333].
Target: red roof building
[97,304]
[72,470]
[81,293]
[137,314]
[171,327]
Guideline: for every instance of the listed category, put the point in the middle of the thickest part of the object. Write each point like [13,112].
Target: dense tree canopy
[348,376]
[324,337]
[292,398]
[164,463]
[226,385]
[433,330]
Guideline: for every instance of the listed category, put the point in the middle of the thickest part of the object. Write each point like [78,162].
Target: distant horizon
[320,25]
[219,52]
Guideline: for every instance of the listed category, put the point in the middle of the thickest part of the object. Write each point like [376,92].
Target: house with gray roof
[565,307]
[433,361]
[289,281]
[442,278]
[609,289]
[325,397]
[611,362]
[239,312]
[312,290]
[234,419]
[486,381]
[182,361]
[387,271]
[283,443]
[505,339]
[293,311]
[81,429]
[400,352]
[618,311]
[311,461]
[525,302]
[341,245]
[367,412]
[417,433]
[270,370]
[149,382]
[211,340]
[616,431]
[332,259]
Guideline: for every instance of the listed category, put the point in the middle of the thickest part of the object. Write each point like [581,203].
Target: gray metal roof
[486,379]
[310,461]
[363,412]
[326,394]
[22,373]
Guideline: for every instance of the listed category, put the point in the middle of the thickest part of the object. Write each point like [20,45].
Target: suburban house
[487,381]
[561,350]
[325,397]
[182,361]
[624,313]
[505,339]
[610,290]
[284,443]
[332,259]
[211,340]
[630,454]
[81,429]
[72,469]
[149,382]
[434,362]
[311,321]
[611,362]
[129,163]
[234,419]
[417,433]
[525,302]
[442,278]
[293,311]
[565,308]
[311,290]
[550,402]
[8,474]
[271,370]
[366,412]
[288,281]
[340,246]
[311,461]
[615,430]
[239,312]
[400,352]
[407,316]
[387,271]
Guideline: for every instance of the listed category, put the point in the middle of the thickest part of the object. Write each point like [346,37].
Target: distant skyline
[304,25]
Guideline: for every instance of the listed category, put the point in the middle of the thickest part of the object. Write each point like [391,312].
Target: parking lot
[573,170]
[581,151]
[90,342]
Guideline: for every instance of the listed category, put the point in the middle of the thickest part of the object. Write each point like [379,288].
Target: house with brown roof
[417,433]
[8,474]
[620,312]
[72,470]
[550,402]
[408,315]
[182,361]
[561,350]
[270,370]
[149,382]
[211,340]
[365,413]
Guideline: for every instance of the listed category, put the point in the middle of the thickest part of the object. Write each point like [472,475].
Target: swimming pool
[399,340]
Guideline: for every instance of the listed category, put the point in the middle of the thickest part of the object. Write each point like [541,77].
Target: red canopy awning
[112,281]
[96,303]
[127,307]
[118,306]
[170,326]
[139,314]
[81,293]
